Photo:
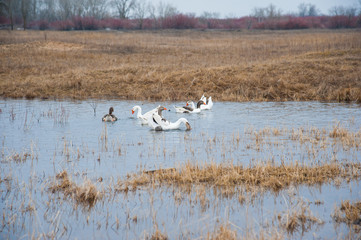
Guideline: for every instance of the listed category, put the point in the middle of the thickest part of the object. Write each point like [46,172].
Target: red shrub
[4,20]
[342,22]
[293,23]
[116,23]
[40,24]
[85,23]
[65,25]
[179,21]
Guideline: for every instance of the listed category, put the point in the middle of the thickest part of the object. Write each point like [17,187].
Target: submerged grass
[182,65]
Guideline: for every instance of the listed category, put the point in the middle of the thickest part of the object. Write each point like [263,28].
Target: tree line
[142,14]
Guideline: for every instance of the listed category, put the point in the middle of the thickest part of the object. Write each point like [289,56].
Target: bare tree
[166,10]
[259,13]
[351,11]
[65,9]
[337,10]
[272,11]
[209,15]
[124,7]
[25,10]
[312,10]
[140,11]
[47,10]
[307,10]
[95,8]
[302,10]
[8,7]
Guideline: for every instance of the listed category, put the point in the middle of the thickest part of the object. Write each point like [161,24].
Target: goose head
[135,108]
[111,110]
[185,121]
[160,110]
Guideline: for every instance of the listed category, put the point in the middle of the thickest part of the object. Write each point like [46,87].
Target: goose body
[144,117]
[208,103]
[190,108]
[158,123]
[110,117]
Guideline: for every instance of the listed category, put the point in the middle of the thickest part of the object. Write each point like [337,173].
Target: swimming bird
[144,117]
[190,108]
[208,103]
[110,116]
[158,123]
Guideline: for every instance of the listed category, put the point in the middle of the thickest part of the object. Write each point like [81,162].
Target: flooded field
[66,174]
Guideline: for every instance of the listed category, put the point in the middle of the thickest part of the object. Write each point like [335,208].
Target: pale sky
[239,8]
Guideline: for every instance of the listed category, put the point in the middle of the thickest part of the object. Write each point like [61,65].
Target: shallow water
[67,135]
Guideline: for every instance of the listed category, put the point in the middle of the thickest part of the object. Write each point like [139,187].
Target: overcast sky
[239,8]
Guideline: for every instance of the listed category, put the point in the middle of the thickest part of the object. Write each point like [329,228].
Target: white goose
[190,109]
[144,117]
[208,103]
[158,123]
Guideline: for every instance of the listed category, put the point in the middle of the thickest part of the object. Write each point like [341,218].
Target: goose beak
[132,111]
[165,109]
[187,104]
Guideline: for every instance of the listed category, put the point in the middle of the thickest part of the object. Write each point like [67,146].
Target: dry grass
[265,176]
[180,65]
[299,219]
[158,235]
[86,195]
[349,213]
[223,232]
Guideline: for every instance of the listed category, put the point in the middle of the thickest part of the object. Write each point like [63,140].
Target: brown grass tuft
[158,235]
[298,220]
[86,195]
[349,212]
[223,232]
[267,176]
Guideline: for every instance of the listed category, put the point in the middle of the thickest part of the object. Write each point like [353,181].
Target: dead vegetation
[177,65]
[223,232]
[85,195]
[266,176]
[158,235]
[298,219]
[349,213]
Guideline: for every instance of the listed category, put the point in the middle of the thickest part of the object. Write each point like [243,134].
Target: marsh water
[39,139]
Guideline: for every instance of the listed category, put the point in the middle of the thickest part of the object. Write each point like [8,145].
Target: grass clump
[223,232]
[85,195]
[266,176]
[349,212]
[298,219]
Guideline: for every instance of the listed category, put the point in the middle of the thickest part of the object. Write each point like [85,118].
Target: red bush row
[286,23]
[189,22]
